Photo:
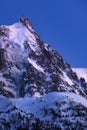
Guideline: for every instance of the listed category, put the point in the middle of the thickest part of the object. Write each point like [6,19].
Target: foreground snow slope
[56,111]
[37,105]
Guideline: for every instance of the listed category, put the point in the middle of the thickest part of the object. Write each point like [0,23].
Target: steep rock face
[29,67]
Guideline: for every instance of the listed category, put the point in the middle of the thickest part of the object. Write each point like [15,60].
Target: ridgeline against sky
[61,23]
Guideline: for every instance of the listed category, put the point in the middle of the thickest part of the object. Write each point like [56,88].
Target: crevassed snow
[67,79]
[81,72]
[19,34]
[35,65]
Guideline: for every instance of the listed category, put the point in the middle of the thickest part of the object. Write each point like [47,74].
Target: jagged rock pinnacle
[26,22]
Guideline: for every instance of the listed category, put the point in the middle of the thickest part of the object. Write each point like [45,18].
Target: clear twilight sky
[61,23]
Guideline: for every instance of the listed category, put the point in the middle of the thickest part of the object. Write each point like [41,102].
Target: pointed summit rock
[26,22]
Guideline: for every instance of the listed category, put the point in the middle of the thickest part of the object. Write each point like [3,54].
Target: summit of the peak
[26,22]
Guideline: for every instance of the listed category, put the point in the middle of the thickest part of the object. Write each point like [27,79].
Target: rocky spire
[26,22]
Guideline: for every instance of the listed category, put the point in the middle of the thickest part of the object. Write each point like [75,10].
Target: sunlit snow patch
[19,34]
[35,65]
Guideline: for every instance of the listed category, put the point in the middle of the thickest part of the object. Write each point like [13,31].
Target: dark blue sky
[61,23]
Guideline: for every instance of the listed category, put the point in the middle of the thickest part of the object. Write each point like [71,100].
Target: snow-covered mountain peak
[38,89]
[36,64]
[20,33]
[27,23]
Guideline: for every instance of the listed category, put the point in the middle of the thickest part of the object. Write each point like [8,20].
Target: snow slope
[19,33]
[55,110]
[39,68]
[36,106]
[4,104]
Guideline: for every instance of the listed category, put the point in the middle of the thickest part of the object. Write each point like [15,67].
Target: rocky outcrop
[26,22]
[4,31]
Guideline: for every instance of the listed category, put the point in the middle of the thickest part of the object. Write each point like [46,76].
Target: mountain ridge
[32,72]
